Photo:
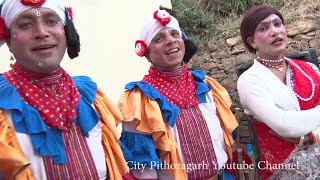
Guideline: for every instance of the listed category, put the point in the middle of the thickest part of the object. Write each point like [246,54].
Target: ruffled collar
[53,95]
[181,91]
[26,119]
[170,111]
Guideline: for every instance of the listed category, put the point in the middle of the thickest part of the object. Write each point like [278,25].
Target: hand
[291,140]
[307,138]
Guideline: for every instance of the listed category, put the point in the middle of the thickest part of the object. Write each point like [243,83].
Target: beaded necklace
[278,67]
[270,60]
[308,77]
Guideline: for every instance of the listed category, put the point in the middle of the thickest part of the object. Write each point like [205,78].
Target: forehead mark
[31,14]
[37,11]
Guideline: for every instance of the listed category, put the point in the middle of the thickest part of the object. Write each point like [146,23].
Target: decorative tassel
[73,40]
[191,49]
[72,36]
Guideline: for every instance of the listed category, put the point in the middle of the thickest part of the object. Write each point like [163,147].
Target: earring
[12,61]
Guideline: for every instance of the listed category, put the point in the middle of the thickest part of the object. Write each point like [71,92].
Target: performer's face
[166,49]
[269,37]
[37,40]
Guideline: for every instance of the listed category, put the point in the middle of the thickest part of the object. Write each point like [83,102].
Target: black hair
[72,36]
[190,50]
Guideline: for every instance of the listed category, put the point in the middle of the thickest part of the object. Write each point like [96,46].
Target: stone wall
[220,59]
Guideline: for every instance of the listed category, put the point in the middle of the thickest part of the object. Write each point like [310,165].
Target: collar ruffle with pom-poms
[162,16]
[141,48]
[36,3]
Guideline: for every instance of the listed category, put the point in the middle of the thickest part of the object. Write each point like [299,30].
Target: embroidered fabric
[80,163]
[182,92]
[306,159]
[298,163]
[302,85]
[275,151]
[198,148]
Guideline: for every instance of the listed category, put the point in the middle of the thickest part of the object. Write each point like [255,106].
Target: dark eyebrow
[158,35]
[51,14]
[174,30]
[24,16]
[276,19]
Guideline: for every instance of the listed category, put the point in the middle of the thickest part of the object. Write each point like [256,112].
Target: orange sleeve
[13,163]
[136,106]
[109,115]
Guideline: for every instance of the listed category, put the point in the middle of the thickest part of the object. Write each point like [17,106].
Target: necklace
[311,81]
[270,60]
[277,67]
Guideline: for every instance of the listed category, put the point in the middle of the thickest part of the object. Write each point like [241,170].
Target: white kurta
[37,165]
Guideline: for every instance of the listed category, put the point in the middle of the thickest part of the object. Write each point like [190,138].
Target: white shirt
[37,165]
[208,110]
[270,101]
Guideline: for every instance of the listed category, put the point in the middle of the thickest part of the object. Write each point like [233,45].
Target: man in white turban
[177,123]
[52,125]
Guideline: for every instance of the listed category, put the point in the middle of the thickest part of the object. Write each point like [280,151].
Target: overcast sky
[108,30]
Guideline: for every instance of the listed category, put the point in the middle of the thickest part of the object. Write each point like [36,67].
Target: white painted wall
[108,30]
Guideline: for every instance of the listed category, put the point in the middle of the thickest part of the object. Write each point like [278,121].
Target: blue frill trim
[227,175]
[87,116]
[26,119]
[169,111]
[138,149]
[202,87]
